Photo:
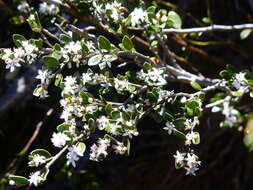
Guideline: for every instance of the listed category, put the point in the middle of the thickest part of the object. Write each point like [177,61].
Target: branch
[136,56]
[211,28]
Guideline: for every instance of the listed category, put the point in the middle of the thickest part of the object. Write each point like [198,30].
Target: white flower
[170,127]
[12,182]
[18,53]
[138,16]
[191,137]
[179,158]
[131,108]
[29,48]
[67,112]
[35,178]
[91,46]
[43,8]
[40,92]
[130,133]
[70,85]
[155,75]
[44,76]
[12,58]
[98,153]
[102,122]
[113,128]
[73,155]
[193,163]
[114,7]
[86,77]
[104,142]
[59,139]
[37,160]
[120,148]
[12,66]
[164,95]
[23,7]
[6,54]
[73,47]
[121,84]
[47,9]
[190,124]
[230,114]
[240,82]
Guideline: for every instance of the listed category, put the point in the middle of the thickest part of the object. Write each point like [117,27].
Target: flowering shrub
[111,85]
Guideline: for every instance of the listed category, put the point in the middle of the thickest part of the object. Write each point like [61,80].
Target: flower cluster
[59,139]
[37,160]
[26,53]
[36,178]
[240,82]
[112,10]
[138,16]
[48,9]
[189,161]
[72,51]
[73,155]
[229,112]
[154,76]
[99,151]
[23,7]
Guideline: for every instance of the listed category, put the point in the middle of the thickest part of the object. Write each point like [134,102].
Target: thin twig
[36,132]
[212,28]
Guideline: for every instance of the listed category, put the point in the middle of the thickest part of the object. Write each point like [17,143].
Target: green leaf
[51,61]
[128,44]
[206,20]
[95,60]
[196,86]
[104,43]
[84,47]
[39,43]
[65,38]
[108,109]
[152,97]
[176,20]
[151,9]
[58,80]
[34,22]
[237,93]
[56,55]
[115,114]
[128,146]
[250,82]
[196,140]
[226,74]
[57,47]
[18,39]
[63,127]
[147,66]
[168,117]
[248,135]
[245,33]
[19,180]
[41,152]
[192,108]
[92,124]
[80,148]
[85,97]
